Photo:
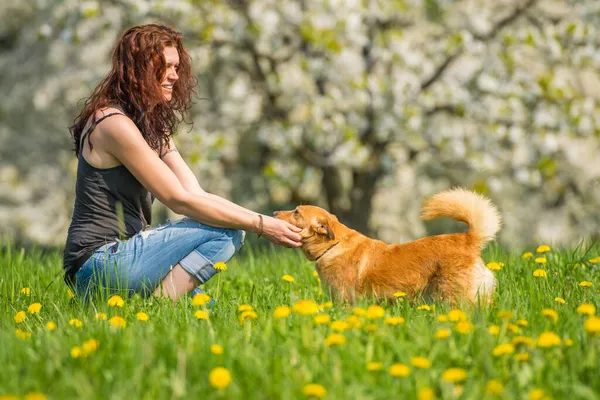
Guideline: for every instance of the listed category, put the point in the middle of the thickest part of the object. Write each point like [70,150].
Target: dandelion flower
[335,339]
[512,328]
[288,278]
[201,314]
[26,291]
[540,273]
[244,307]
[219,378]
[541,260]
[522,356]
[424,307]
[327,304]
[315,273]
[375,311]
[505,314]
[200,299]
[494,387]
[442,318]
[305,307]
[116,301]
[399,294]
[34,308]
[281,312]
[314,390]
[536,394]
[322,319]
[89,346]
[527,255]
[100,316]
[142,316]
[247,315]
[20,316]
[568,342]
[464,327]
[75,322]
[399,370]
[543,248]
[586,309]
[51,326]
[586,284]
[426,393]
[595,260]
[22,334]
[494,330]
[117,321]
[76,352]
[454,375]
[35,396]
[495,266]
[216,349]
[550,314]
[442,334]
[522,322]
[354,321]
[559,300]
[503,349]
[371,328]
[374,366]
[456,315]
[220,266]
[592,325]
[359,312]
[420,362]
[70,293]
[393,321]
[548,339]
[522,340]
[340,326]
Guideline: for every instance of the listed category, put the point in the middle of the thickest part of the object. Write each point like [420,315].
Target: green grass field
[511,350]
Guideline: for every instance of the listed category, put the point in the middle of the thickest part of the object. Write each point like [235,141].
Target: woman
[124,142]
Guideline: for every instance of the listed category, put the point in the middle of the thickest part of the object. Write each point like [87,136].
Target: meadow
[274,334]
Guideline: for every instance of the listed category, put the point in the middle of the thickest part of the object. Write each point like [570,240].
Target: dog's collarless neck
[326,250]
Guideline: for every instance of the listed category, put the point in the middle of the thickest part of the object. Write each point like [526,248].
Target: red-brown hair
[134,85]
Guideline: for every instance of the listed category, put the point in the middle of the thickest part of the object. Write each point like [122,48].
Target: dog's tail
[477,211]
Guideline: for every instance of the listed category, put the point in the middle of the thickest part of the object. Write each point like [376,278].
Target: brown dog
[448,267]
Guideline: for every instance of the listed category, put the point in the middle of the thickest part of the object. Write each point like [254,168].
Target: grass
[169,355]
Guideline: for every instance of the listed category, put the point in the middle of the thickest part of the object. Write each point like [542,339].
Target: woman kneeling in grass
[123,139]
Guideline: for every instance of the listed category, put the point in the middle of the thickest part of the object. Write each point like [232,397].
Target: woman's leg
[141,263]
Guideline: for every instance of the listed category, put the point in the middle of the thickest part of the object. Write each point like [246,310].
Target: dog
[448,267]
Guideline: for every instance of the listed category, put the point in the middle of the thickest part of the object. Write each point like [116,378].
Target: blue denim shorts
[139,264]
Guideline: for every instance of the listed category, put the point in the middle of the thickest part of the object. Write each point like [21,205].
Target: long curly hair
[134,86]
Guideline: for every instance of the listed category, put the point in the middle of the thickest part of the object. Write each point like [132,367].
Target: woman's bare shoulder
[102,112]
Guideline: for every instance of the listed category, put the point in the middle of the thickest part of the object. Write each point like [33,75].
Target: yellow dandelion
[442,334]
[200,299]
[424,307]
[75,322]
[464,327]
[26,291]
[20,317]
[216,349]
[550,314]
[34,308]
[399,370]
[586,309]
[512,328]
[374,366]
[456,315]
[548,339]
[247,316]
[322,319]
[371,328]
[559,300]
[522,322]
[495,266]
[541,260]
[540,273]
[359,312]
[399,294]
[314,390]
[35,396]
[340,326]
[454,375]
[586,284]
[595,260]
[327,304]
[536,394]
[315,273]
[527,255]
[281,312]
[100,316]
[288,278]
[76,352]
[219,378]
[220,266]
[354,321]
[494,387]
[568,342]
[305,307]
[335,339]
[142,316]
[116,301]
[522,356]
[592,325]
[22,334]
[442,318]
[503,349]
[505,314]
[202,315]
[244,307]
[89,346]
[420,362]
[494,330]
[70,293]
[374,312]
[543,249]
[522,340]
[393,321]
[117,321]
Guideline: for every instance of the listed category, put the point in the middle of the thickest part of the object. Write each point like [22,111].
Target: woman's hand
[281,232]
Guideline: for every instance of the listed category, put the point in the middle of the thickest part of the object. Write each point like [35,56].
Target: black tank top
[103,197]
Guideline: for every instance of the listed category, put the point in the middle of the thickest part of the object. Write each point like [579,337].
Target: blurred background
[364,107]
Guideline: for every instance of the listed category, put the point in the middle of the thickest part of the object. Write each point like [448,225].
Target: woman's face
[172,59]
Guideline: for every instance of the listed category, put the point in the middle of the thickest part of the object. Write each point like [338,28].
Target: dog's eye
[296,213]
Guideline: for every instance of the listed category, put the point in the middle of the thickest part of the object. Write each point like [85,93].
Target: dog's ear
[323,227]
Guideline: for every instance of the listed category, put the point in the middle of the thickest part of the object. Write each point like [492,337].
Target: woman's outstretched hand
[281,232]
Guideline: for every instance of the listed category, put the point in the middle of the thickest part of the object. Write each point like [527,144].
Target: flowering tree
[363,107]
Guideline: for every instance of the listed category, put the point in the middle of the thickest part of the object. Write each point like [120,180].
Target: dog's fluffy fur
[447,267]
